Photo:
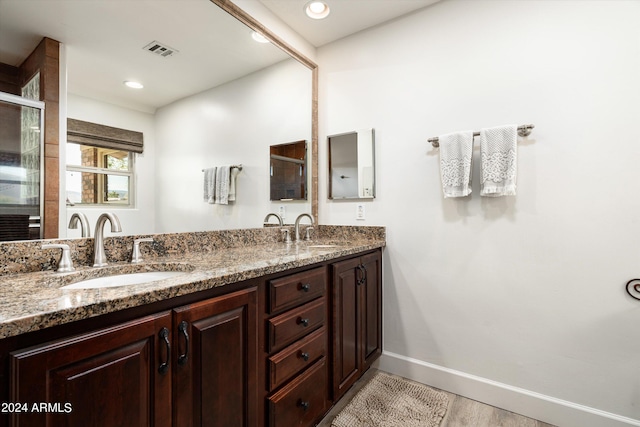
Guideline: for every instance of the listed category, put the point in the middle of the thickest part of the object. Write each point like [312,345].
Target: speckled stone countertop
[34,300]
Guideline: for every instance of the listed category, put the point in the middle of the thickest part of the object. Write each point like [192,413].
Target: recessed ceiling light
[133,85]
[317,9]
[259,37]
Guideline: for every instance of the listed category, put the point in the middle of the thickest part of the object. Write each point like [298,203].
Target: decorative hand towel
[209,184]
[456,151]
[222,185]
[498,150]
[232,184]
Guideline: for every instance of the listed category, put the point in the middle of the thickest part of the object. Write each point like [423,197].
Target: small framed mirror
[352,165]
[288,171]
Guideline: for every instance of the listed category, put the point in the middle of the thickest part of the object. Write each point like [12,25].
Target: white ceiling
[346,16]
[104,41]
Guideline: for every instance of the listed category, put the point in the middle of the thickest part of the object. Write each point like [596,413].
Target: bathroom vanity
[264,334]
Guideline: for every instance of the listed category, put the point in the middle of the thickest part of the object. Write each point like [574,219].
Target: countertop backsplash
[29,257]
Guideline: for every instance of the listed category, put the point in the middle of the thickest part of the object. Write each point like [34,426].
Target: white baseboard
[535,405]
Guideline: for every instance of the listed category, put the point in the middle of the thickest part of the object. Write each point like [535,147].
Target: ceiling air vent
[160,49]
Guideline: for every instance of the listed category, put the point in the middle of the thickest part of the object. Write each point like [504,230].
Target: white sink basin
[123,280]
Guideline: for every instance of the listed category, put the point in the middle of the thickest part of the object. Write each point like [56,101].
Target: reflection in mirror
[220,99]
[21,121]
[100,164]
[352,165]
[235,123]
[288,170]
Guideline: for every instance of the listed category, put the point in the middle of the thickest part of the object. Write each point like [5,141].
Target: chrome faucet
[270,214]
[64,264]
[136,256]
[297,225]
[84,223]
[99,257]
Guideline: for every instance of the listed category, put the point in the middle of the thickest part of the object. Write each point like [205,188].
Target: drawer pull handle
[304,405]
[305,287]
[304,322]
[182,328]
[164,336]
[304,356]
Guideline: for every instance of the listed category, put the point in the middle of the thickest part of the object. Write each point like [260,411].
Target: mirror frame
[252,23]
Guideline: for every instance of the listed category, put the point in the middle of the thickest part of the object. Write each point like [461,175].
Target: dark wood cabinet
[303,400]
[297,392]
[276,351]
[357,318]
[216,352]
[192,366]
[112,376]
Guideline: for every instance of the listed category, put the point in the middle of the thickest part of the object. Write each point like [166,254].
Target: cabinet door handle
[363,274]
[304,356]
[304,322]
[164,366]
[304,405]
[182,328]
[305,287]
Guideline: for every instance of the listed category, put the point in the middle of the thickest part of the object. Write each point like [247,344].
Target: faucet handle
[307,234]
[64,264]
[136,257]
[286,235]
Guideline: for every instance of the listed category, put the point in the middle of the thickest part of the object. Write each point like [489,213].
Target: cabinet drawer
[293,359]
[302,401]
[293,324]
[296,289]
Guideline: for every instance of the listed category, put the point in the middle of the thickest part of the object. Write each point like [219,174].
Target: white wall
[138,220]
[231,124]
[524,294]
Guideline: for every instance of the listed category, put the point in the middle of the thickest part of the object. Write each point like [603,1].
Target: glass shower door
[21,146]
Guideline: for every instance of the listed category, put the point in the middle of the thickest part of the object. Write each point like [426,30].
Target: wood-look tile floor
[462,412]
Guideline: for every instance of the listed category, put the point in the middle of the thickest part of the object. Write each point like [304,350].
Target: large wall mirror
[221,98]
[352,165]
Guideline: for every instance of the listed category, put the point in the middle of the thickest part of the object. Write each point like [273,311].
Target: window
[98,176]
[100,164]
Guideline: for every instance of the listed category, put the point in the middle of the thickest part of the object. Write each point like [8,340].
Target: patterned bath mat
[391,401]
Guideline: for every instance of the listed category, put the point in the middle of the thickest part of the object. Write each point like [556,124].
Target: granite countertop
[34,301]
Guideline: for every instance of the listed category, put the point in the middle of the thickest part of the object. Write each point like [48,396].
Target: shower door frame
[26,102]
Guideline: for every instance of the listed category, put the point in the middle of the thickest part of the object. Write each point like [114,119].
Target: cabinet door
[216,350]
[117,376]
[372,308]
[347,332]
[357,319]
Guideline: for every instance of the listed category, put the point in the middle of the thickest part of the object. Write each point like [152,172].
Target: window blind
[97,135]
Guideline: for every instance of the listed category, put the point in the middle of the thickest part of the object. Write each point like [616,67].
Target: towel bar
[524,130]
[233,166]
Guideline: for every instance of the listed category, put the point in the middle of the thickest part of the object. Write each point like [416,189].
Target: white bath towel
[209,185]
[456,151]
[232,183]
[498,151]
[222,185]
